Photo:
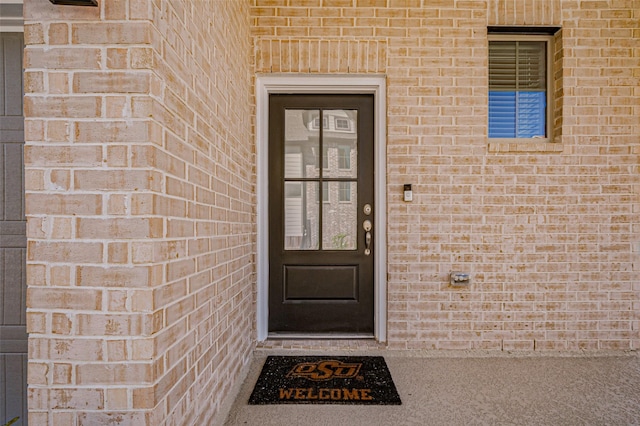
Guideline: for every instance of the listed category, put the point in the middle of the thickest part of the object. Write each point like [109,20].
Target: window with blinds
[518,92]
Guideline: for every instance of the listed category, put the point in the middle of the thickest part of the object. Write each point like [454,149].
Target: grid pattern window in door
[320,164]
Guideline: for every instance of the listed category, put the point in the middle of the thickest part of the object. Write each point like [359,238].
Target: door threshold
[319,336]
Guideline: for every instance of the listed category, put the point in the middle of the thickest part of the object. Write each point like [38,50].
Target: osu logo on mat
[325,370]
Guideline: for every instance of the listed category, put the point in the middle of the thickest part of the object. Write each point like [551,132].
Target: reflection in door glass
[301,216]
[339,141]
[301,145]
[340,217]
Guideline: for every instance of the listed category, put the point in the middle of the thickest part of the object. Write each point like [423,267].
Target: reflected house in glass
[328,179]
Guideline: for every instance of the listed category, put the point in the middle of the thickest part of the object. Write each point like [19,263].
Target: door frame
[321,84]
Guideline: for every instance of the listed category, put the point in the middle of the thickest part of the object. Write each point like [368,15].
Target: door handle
[366,225]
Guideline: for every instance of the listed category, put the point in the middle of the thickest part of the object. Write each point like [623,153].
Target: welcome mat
[325,380]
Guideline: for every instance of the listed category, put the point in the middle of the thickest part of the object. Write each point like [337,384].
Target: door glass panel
[301,215]
[339,217]
[340,143]
[302,147]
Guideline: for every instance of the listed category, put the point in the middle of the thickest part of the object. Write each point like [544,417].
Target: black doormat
[325,380]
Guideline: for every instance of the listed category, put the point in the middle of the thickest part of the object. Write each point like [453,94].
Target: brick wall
[140,203]
[141,189]
[549,231]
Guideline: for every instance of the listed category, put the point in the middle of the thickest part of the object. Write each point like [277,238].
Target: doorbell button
[408,193]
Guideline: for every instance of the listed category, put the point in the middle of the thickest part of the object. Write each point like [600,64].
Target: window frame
[315,123]
[325,192]
[325,157]
[344,157]
[549,57]
[344,189]
[341,128]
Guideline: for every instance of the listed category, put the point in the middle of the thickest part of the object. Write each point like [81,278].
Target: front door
[321,214]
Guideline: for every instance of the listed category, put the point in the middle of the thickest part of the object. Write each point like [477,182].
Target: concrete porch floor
[474,389]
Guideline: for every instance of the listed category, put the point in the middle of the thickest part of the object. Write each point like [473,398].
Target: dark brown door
[321,211]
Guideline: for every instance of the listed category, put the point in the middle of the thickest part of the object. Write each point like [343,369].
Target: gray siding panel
[13,205]
[13,240]
[13,381]
[14,339]
[11,47]
[14,291]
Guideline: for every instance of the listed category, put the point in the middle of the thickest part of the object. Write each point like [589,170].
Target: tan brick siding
[321,56]
[549,231]
[140,203]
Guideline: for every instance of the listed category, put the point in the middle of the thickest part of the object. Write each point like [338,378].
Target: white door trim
[376,85]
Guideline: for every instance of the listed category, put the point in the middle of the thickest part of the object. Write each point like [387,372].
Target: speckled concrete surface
[563,389]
